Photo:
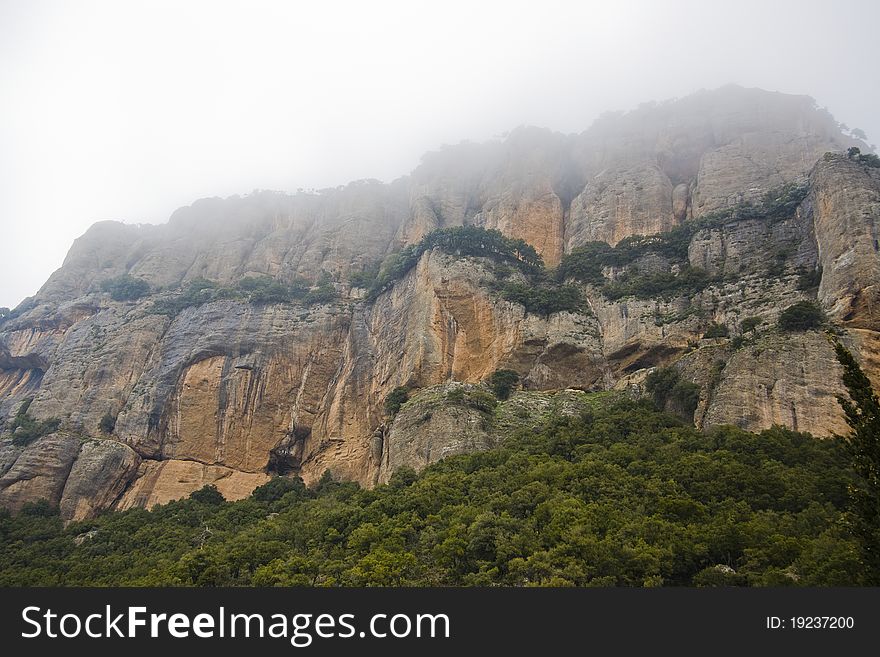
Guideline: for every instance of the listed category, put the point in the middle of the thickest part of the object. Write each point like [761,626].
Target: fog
[128,110]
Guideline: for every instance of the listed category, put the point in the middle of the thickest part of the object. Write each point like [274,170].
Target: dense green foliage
[125,288]
[620,496]
[688,280]
[395,399]
[26,429]
[197,292]
[716,331]
[107,424]
[503,383]
[672,393]
[208,495]
[802,316]
[862,411]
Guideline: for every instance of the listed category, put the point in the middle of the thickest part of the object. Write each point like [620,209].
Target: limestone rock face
[846,212]
[791,380]
[101,472]
[455,418]
[39,472]
[649,170]
[159,482]
[754,164]
[521,186]
[619,202]
[231,393]
[439,324]
[432,427]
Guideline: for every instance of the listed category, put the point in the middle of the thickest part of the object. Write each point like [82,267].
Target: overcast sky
[127,110]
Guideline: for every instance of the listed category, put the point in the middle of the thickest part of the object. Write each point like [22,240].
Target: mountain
[692,251]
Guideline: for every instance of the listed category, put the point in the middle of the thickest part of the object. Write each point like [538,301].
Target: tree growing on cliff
[208,494]
[108,423]
[802,316]
[395,399]
[503,382]
[672,393]
[862,411]
[125,288]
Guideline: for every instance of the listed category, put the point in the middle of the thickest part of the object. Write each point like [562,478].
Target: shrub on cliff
[503,382]
[688,280]
[459,241]
[364,278]
[208,494]
[125,288]
[672,393]
[869,159]
[472,397]
[802,316]
[25,429]
[716,331]
[544,299]
[108,423]
[324,293]
[809,279]
[750,324]
[264,290]
[395,399]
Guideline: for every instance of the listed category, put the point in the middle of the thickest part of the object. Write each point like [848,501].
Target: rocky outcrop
[101,472]
[791,380]
[230,393]
[619,202]
[457,418]
[846,215]
[440,323]
[440,422]
[39,472]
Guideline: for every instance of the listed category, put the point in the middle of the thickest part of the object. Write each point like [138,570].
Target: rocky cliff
[186,383]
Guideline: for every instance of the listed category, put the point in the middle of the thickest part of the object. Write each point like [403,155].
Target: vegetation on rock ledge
[126,288]
[802,316]
[588,263]
[540,293]
[26,429]
[253,289]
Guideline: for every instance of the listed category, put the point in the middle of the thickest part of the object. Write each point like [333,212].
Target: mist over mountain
[99,123]
[707,240]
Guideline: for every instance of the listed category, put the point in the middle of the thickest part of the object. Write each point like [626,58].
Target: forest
[623,495]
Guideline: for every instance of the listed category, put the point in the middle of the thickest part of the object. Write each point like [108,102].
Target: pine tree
[862,411]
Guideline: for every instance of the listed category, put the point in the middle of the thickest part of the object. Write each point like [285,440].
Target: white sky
[128,110]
